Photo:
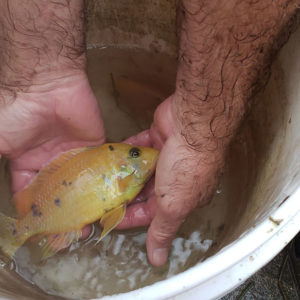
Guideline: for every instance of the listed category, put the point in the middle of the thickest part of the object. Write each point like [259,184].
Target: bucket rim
[267,232]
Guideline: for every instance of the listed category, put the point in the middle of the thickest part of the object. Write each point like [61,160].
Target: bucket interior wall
[270,135]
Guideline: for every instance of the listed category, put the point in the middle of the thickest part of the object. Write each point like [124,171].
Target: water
[129,84]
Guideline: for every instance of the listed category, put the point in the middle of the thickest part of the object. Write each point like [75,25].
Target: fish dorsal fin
[25,198]
[55,164]
[111,219]
[53,243]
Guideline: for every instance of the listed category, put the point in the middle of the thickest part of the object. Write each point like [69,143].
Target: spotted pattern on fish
[78,188]
[34,210]
[57,202]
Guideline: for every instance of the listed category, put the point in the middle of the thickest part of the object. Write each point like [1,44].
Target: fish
[77,188]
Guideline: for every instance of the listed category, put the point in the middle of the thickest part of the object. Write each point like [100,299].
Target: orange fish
[76,189]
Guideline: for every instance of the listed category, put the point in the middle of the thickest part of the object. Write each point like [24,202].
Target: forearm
[226,50]
[41,42]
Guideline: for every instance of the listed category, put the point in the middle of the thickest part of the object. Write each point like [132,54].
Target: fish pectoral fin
[52,243]
[111,219]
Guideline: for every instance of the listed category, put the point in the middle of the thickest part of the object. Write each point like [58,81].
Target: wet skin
[48,106]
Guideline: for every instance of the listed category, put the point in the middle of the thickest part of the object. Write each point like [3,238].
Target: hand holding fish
[225,53]
[76,189]
[36,127]
[185,178]
[47,105]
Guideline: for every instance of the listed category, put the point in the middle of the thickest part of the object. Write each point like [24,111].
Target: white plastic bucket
[270,218]
[272,215]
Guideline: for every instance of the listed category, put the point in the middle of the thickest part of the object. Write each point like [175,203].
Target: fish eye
[134,152]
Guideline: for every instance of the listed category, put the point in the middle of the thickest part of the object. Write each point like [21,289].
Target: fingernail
[160,256]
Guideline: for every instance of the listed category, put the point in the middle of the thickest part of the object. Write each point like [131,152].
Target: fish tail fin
[10,239]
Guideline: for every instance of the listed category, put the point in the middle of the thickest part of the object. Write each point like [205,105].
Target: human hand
[185,178]
[35,127]
[219,71]
[46,103]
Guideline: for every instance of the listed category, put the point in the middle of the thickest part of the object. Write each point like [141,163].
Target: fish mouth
[149,174]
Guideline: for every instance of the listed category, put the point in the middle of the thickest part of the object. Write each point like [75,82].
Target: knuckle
[162,237]
[176,207]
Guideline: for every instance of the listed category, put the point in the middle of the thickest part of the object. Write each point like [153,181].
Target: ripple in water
[118,264]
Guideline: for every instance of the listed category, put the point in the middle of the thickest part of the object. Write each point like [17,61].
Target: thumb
[177,194]
[184,179]
[160,236]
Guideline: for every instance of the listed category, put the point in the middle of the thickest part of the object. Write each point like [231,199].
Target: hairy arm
[226,49]
[46,103]
[41,42]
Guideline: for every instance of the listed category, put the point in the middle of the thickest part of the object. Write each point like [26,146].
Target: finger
[160,236]
[21,178]
[163,124]
[146,192]
[138,215]
[141,210]
[86,231]
[141,139]
[177,188]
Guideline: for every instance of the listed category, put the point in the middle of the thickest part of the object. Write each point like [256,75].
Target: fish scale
[77,188]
